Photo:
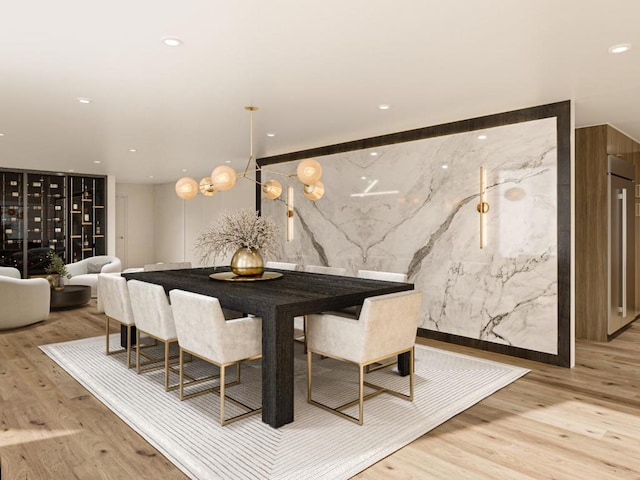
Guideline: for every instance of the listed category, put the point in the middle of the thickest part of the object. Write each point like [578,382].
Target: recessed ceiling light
[97,161]
[227,161]
[184,170]
[445,166]
[132,150]
[71,170]
[1,134]
[620,48]
[363,178]
[482,137]
[271,134]
[172,41]
[150,176]
[384,106]
[84,100]
[374,154]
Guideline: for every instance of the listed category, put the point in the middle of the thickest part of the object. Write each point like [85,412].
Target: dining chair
[153,317]
[204,333]
[114,298]
[387,326]
[281,265]
[388,277]
[302,321]
[156,267]
[324,270]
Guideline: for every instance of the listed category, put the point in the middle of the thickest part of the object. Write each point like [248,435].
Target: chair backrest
[97,264]
[281,265]
[386,276]
[10,272]
[151,310]
[389,323]
[156,267]
[199,324]
[114,297]
[324,270]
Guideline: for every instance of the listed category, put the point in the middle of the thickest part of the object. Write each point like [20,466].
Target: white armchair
[85,272]
[10,272]
[387,326]
[23,302]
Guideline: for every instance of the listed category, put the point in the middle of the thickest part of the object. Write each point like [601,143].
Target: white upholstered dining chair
[301,322]
[204,333]
[156,267]
[387,277]
[114,298]
[387,326]
[281,265]
[154,318]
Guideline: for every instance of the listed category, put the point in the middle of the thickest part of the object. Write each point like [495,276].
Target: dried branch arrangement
[232,230]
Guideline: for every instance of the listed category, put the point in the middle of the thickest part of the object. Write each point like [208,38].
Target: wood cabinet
[42,212]
[592,147]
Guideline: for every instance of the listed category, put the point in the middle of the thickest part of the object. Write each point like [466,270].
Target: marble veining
[411,207]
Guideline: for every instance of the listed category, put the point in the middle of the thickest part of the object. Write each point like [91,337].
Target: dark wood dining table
[278,301]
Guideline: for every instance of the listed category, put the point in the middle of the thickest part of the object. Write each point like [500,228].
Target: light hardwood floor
[582,423]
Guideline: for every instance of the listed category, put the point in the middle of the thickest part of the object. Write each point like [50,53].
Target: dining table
[277,301]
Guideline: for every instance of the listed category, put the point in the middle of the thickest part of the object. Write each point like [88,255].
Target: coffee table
[71,296]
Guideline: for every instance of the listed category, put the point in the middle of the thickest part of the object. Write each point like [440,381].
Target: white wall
[111,214]
[178,222]
[139,239]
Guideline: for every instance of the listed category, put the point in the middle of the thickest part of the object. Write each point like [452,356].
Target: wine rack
[87,233]
[42,212]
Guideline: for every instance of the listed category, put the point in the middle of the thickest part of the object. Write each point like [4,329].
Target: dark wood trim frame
[562,112]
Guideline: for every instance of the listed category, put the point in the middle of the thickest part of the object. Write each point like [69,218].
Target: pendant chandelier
[223,177]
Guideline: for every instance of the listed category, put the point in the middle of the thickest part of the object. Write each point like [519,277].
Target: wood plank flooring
[553,423]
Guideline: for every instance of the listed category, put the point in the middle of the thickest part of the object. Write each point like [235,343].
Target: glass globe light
[309,171]
[186,188]
[223,177]
[314,192]
[272,189]
[206,187]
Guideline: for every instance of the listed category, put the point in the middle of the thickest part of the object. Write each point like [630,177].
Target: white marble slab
[427,225]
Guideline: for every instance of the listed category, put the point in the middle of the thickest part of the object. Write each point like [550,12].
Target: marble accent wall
[411,207]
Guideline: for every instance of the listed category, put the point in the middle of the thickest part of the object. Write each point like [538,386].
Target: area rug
[317,445]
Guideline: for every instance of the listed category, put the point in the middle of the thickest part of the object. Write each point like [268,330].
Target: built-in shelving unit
[12,217]
[42,212]
[87,233]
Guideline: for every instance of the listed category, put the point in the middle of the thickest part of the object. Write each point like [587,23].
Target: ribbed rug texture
[317,445]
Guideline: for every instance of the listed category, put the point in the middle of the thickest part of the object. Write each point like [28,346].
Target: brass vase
[247,261]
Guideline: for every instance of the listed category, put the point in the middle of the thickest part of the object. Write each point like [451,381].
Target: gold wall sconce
[483,207]
[289,214]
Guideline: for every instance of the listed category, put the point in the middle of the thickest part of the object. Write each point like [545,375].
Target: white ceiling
[317,70]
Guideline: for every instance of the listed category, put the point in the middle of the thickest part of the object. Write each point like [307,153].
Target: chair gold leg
[304,330]
[361,406]
[166,366]
[411,369]
[181,383]
[128,346]
[138,351]
[107,334]
[222,394]
[361,395]
[309,355]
